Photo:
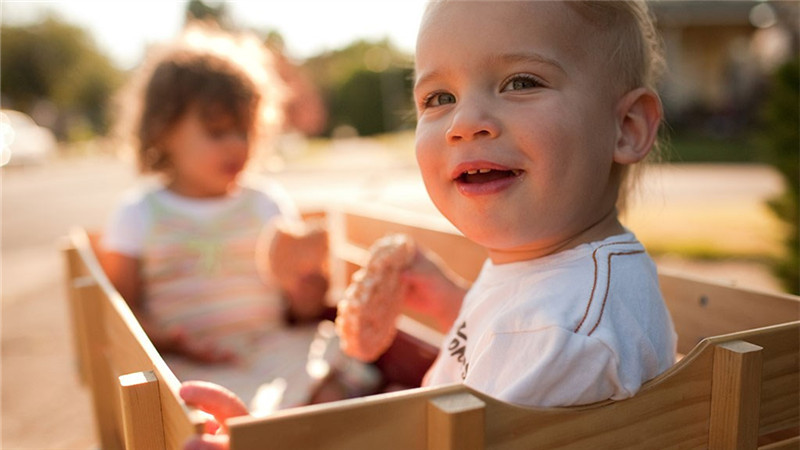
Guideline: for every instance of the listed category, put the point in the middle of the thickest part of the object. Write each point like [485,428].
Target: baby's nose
[472,122]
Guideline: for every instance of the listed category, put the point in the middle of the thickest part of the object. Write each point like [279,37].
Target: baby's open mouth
[486,175]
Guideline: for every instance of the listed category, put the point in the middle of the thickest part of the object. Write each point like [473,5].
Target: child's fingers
[211,426]
[213,399]
[207,442]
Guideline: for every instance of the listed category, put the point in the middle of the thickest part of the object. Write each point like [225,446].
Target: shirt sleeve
[127,227]
[545,368]
[274,201]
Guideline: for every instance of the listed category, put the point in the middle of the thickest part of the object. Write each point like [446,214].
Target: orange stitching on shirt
[608,286]
[594,283]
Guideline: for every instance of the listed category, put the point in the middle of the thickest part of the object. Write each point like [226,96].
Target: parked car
[22,141]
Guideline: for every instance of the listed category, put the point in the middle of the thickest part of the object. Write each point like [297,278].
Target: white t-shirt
[577,327]
[133,217]
[198,261]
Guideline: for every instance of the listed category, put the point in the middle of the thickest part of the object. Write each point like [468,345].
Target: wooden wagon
[737,384]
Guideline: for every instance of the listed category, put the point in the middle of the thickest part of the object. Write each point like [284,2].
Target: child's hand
[296,257]
[177,341]
[307,297]
[220,403]
[432,289]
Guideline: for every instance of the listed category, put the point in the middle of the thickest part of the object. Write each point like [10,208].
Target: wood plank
[702,309]
[75,278]
[671,411]
[735,395]
[456,422]
[787,444]
[125,348]
[395,421]
[367,225]
[141,411]
[104,395]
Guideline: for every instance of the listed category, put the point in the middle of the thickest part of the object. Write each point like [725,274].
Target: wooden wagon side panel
[113,344]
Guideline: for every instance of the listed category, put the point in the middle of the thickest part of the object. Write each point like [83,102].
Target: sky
[122,28]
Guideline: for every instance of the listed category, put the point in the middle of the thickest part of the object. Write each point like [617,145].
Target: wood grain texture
[141,411]
[735,395]
[723,382]
[113,344]
[456,422]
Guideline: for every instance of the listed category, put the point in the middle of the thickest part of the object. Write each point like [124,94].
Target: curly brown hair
[206,70]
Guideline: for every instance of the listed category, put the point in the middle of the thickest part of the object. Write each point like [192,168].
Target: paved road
[43,407]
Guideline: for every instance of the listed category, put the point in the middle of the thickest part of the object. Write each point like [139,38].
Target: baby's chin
[492,238]
[507,247]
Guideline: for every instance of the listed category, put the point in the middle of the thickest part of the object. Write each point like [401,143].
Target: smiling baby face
[518,123]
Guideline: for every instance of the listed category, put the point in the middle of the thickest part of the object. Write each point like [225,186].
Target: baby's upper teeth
[484,170]
[474,171]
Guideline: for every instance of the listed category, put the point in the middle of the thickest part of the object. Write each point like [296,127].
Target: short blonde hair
[637,58]
[205,68]
[638,53]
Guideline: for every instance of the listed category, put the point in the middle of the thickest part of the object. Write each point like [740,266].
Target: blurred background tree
[198,9]
[54,72]
[780,138]
[366,86]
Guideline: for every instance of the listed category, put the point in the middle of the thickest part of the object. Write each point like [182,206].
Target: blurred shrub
[366,85]
[56,65]
[780,138]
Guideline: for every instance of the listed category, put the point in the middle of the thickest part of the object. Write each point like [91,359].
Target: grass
[742,230]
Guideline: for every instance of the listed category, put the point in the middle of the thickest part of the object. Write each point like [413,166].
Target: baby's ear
[639,115]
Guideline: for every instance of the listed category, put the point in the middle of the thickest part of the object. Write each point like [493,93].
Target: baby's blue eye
[439,99]
[519,82]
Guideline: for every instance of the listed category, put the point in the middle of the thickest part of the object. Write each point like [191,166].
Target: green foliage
[201,10]
[366,85]
[208,12]
[780,137]
[57,63]
[688,146]
[372,102]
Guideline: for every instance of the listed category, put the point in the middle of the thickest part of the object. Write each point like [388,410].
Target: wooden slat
[120,346]
[386,422]
[780,375]
[456,422]
[671,411]
[735,396]
[787,444]
[75,278]
[103,390]
[702,309]
[141,411]
[461,255]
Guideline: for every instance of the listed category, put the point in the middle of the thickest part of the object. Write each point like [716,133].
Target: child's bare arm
[296,256]
[433,289]
[124,273]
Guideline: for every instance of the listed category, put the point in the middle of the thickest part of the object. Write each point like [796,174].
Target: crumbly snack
[366,315]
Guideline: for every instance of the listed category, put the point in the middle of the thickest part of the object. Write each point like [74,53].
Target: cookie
[367,313]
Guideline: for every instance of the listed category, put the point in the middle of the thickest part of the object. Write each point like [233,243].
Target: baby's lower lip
[487,187]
